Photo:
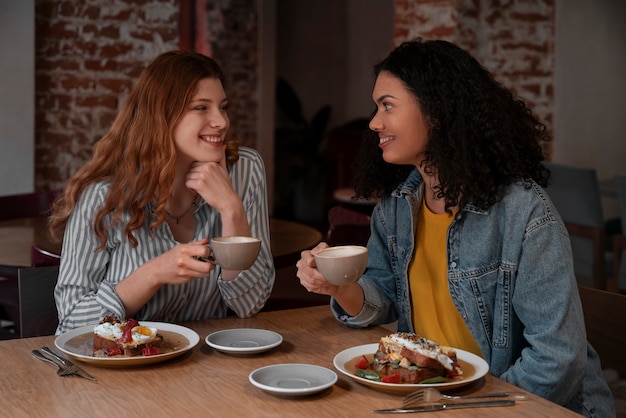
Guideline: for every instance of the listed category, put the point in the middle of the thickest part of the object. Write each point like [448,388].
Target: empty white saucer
[244,340]
[293,379]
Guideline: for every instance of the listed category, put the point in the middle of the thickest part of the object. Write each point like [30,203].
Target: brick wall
[88,54]
[513,39]
[232,27]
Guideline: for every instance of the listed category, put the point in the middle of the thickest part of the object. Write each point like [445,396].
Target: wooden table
[288,239]
[206,382]
[17,237]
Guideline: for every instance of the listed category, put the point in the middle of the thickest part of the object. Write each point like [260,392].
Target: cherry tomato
[363,363]
[392,378]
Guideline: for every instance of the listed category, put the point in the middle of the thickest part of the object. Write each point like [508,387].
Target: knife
[67,363]
[441,406]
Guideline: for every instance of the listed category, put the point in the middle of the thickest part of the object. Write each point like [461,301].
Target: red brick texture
[512,39]
[90,52]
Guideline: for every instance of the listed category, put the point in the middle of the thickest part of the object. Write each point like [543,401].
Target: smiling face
[401,126]
[199,135]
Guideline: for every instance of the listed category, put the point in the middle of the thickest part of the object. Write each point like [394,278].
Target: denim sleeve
[378,282]
[546,301]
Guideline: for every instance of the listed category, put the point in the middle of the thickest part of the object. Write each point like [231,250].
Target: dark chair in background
[606,330]
[26,205]
[40,257]
[619,240]
[576,195]
[9,305]
[347,227]
[37,308]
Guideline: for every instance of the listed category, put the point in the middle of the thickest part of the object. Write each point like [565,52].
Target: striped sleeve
[247,293]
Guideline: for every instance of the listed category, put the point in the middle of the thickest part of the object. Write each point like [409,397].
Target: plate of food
[244,340]
[406,366]
[146,343]
[293,379]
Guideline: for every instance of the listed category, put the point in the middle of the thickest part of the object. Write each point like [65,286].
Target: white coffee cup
[343,264]
[234,253]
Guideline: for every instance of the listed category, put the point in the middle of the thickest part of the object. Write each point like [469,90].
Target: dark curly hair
[481,139]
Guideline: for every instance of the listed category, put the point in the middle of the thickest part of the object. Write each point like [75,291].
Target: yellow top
[434,314]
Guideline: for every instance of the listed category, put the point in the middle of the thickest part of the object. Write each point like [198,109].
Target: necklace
[178,218]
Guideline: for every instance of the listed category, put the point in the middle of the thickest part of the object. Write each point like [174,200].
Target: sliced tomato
[113,351]
[363,363]
[149,350]
[392,378]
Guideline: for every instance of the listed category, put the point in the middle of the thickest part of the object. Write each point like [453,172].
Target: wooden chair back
[576,194]
[38,312]
[606,329]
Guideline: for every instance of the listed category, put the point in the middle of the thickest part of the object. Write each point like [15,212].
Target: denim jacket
[511,277]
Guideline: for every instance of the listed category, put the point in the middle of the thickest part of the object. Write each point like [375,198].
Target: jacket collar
[409,186]
[414,182]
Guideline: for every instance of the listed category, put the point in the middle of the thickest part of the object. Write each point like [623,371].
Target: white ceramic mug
[343,264]
[234,253]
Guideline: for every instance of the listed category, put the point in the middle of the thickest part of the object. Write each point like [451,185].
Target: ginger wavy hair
[137,156]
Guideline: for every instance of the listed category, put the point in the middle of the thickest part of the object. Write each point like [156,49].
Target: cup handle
[210,258]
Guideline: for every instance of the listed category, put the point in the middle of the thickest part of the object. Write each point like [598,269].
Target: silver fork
[63,370]
[433,395]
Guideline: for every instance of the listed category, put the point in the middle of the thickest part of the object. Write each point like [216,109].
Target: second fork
[62,369]
[433,395]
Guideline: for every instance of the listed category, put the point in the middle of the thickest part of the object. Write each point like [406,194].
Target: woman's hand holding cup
[335,267]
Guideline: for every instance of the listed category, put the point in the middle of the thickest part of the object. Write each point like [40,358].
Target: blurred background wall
[565,57]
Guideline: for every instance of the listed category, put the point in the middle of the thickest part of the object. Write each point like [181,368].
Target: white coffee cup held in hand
[343,264]
[234,253]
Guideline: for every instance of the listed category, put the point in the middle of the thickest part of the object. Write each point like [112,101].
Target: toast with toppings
[115,337]
[415,358]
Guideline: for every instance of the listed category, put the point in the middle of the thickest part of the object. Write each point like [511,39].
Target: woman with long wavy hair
[136,219]
[466,247]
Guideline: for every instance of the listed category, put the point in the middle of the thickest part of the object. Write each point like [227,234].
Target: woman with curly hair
[466,247]
[137,218]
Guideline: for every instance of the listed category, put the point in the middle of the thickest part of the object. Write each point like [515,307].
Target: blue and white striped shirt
[85,291]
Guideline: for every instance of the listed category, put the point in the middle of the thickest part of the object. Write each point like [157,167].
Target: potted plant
[300,157]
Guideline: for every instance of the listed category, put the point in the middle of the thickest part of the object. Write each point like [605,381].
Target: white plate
[244,340]
[474,367]
[293,379]
[78,344]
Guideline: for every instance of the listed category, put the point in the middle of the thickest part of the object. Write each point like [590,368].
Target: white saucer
[293,379]
[244,340]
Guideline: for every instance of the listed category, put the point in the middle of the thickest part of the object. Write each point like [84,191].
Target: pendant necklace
[178,218]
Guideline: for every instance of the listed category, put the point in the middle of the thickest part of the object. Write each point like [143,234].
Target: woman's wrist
[235,221]
[351,298]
